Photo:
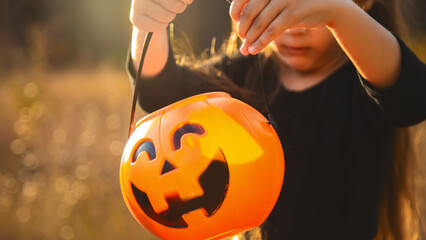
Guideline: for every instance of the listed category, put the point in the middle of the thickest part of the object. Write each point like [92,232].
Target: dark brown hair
[398,214]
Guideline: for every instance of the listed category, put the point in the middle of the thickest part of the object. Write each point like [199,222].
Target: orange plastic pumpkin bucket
[206,167]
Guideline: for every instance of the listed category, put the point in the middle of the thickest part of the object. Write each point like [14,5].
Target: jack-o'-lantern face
[205,167]
[213,179]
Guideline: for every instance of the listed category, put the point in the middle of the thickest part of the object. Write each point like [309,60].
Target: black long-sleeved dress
[337,138]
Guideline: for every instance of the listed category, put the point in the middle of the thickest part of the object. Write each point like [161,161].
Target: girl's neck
[298,81]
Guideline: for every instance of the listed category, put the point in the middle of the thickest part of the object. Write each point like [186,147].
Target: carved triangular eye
[147,146]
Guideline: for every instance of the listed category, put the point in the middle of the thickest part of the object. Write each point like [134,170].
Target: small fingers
[148,24]
[271,32]
[150,14]
[236,8]
[251,10]
[187,2]
[175,6]
[262,21]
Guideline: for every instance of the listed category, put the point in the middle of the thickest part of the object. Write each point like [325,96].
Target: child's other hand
[155,15]
[259,22]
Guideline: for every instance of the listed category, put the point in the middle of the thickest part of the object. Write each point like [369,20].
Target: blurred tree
[16,19]
[18,16]
[83,33]
[61,33]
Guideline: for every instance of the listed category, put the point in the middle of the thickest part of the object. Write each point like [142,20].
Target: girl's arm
[153,16]
[157,54]
[373,50]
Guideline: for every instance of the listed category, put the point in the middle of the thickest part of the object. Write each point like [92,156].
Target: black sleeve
[170,85]
[175,82]
[405,101]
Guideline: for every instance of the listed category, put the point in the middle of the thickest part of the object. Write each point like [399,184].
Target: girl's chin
[300,64]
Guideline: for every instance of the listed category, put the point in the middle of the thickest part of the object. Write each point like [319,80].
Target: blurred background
[65,103]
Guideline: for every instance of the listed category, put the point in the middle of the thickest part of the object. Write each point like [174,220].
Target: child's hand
[260,21]
[155,15]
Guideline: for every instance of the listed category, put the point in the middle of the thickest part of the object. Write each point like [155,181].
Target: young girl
[339,83]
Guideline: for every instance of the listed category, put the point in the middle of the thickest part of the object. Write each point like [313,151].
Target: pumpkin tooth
[190,189]
[159,203]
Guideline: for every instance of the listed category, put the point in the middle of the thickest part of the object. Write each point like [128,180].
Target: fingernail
[252,50]
[243,48]
[237,28]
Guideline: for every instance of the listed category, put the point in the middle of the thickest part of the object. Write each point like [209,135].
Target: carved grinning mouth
[214,181]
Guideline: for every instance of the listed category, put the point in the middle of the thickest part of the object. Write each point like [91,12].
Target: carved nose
[167,167]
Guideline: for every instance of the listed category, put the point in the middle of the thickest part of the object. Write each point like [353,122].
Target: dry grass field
[62,136]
